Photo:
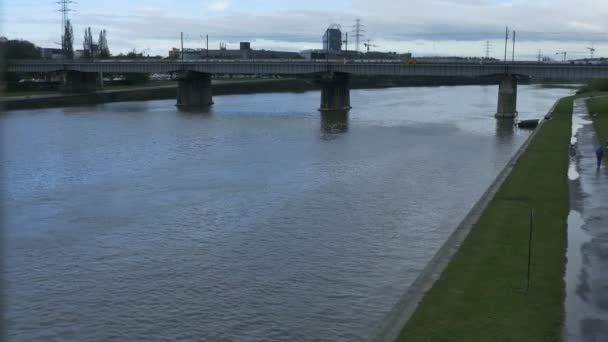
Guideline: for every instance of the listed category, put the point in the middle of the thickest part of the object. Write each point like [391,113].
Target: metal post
[513,59]
[327,45]
[182,49]
[530,247]
[207,46]
[506,42]
[346,44]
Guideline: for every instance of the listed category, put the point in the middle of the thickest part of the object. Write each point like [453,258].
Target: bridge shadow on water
[333,124]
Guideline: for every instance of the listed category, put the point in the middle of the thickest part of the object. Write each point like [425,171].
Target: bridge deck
[355,67]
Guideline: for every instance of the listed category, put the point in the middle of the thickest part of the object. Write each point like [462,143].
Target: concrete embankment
[474,289]
[153,93]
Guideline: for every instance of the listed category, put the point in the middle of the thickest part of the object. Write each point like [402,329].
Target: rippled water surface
[259,221]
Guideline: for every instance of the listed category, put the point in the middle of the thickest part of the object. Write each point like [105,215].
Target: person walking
[599,153]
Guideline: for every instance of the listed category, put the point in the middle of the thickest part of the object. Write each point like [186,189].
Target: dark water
[258,221]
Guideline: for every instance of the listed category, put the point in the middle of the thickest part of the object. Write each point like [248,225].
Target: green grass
[119,87]
[599,108]
[480,296]
[29,93]
[144,85]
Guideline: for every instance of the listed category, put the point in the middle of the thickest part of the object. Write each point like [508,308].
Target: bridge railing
[297,67]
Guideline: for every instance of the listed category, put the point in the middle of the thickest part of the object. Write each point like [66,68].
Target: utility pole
[327,45]
[207,36]
[358,33]
[202,45]
[488,48]
[346,41]
[64,8]
[506,42]
[513,58]
[540,56]
[182,49]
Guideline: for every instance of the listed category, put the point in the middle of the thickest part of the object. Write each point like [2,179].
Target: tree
[15,49]
[88,44]
[67,42]
[599,85]
[104,50]
[136,78]
[18,49]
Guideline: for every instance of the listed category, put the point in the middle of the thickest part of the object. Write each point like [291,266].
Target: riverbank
[168,90]
[598,107]
[587,267]
[148,93]
[481,295]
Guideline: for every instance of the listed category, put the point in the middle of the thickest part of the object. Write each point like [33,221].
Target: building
[50,53]
[3,39]
[174,53]
[244,52]
[332,39]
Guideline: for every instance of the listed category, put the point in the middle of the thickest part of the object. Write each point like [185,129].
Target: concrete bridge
[194,88]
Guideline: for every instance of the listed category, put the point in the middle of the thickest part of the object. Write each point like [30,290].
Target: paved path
[587,266]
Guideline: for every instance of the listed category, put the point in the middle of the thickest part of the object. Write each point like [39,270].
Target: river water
[260,220]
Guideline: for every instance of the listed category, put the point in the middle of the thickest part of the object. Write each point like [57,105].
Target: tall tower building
[332,39]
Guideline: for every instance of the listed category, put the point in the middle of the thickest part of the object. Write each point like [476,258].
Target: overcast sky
[423,27]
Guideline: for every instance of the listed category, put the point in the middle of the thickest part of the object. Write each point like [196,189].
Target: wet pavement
[587,254]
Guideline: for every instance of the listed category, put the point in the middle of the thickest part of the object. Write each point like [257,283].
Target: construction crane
[564,53]
[368,45]
[591,51]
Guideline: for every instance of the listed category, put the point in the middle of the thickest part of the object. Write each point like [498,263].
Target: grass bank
[598,107]
[480,296]
[155,93]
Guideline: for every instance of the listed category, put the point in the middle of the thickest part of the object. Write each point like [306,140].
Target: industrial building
[50,53]
[244,52]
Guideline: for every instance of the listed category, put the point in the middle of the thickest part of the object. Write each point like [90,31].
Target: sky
[423,27]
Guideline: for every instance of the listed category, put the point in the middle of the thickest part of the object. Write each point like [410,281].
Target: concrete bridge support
[79,82]
[507,97]
[194,90]
[333,122]
[335,92]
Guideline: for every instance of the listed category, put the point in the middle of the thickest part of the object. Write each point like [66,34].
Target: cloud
[430,26]
[147,10]
[218,5]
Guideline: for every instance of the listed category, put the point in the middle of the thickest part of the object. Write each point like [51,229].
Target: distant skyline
[431,27]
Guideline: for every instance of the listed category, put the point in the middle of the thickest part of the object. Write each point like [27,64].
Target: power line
[64,8]
[358,33]
[488,49]
[506,42]
[513,58]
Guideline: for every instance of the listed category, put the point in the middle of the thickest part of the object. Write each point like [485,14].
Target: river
[260,220]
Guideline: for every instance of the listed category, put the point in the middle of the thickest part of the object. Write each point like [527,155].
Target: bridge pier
[335,92]
[79,82]
[194,90]
[333,122]
[507,97]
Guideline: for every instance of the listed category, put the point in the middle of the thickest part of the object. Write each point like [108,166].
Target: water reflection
[180,207]
[194,110]
[505,128]
[333,123]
